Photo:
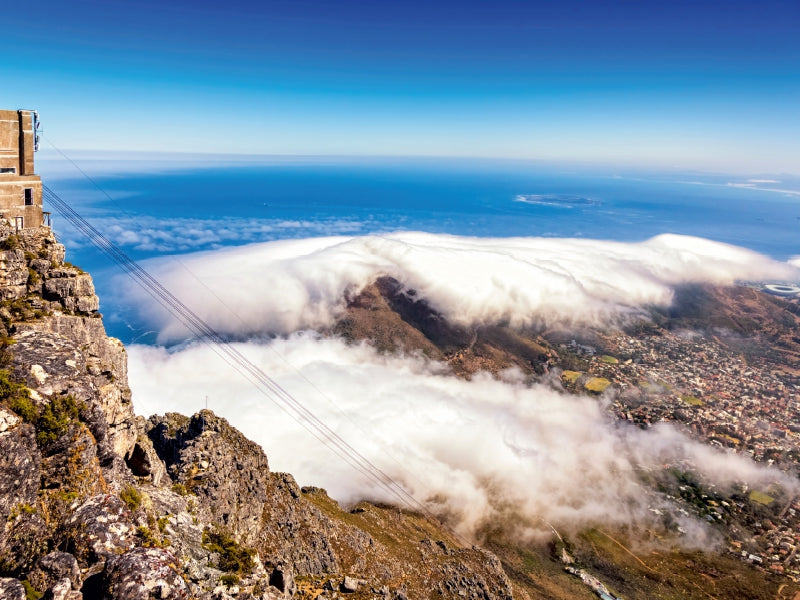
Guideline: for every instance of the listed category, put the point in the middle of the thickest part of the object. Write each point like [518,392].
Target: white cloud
[468,449]
[151,234]
[284,286]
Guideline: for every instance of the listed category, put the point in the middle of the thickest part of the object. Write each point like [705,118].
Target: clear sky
[704,84]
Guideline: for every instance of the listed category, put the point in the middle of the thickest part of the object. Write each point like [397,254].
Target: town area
[748,404]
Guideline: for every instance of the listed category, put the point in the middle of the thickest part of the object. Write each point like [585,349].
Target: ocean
[172,205]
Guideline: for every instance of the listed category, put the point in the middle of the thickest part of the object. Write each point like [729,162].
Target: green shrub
[180,489]
[20,509]
[149,540]
[30,593]
[132,497]
[233,557]
[10,243]
[33,277]
[69,265]
[54,420]
[162,523]
[16,396]
[25,408]
[229,579]
[51,422]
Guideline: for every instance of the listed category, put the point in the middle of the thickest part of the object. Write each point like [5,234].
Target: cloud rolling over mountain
[284,286]
[476,451]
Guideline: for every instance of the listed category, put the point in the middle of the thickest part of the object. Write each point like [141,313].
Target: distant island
[560,200]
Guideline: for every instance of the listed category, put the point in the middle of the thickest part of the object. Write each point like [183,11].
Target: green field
[692,400]
[597,385]
[761,498]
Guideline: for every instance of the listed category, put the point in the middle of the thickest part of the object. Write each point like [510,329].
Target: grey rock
[41,265]
[221,593]
[20,465]
[8,420]
[13,274]
[73,355]
[11,589]
[55,567]
[282,579]
[261,509]
[73,290]
[144,573]
[350,584]
[22,538]
[62,590]
[101,527]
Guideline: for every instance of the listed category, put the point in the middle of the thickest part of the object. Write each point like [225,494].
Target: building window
[28,196]
[8,170]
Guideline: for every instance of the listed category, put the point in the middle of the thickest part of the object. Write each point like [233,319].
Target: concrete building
[20,187]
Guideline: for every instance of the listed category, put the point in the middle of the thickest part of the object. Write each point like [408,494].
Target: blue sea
[156,206]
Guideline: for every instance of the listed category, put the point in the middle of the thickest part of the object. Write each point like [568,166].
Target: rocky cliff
[98,503]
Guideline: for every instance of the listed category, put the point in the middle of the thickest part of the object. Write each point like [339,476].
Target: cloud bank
[469,450]
[151,234]
[474,451]
[285,286]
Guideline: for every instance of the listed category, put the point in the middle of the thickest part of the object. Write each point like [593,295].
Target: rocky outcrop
[98,503]
[144,573]
[394,319]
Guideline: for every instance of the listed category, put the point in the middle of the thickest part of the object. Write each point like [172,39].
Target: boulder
[101,527]
[53,568]
[62,590]
[144,573]
[11,589]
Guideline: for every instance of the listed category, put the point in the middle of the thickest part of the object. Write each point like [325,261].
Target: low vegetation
[233,557]
[180,489]
[10,243]
[761,498]
[597,385]
[150,539]
[51,422]
[54,420]
[132,497]
[15,395]
[692,400]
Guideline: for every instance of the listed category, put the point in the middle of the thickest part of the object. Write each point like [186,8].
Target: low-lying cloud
[158,235]
[467,449]
[285,286]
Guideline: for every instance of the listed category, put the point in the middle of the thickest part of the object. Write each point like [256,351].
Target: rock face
[98,503]
[393,318]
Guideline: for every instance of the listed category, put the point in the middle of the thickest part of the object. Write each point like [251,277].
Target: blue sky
[707,85]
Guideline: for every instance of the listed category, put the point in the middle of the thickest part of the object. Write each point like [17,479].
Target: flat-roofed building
[20,187]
